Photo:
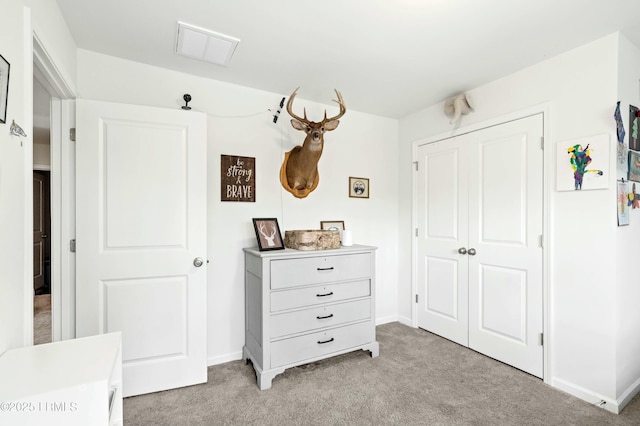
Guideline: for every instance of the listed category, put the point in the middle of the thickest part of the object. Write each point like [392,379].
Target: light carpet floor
[42,319]
[418,379]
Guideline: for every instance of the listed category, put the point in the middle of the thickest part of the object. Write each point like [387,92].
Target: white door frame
[62,195]
[546,260]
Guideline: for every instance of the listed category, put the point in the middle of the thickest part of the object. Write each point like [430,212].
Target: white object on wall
[457,106]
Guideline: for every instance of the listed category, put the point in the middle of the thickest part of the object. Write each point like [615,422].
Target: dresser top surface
[287,252]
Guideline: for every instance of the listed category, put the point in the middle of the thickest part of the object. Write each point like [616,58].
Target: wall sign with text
[237,178]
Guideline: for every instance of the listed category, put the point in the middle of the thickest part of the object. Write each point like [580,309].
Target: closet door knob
[472,252]
[462,250]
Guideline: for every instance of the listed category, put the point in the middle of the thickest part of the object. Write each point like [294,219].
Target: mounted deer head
[299,171]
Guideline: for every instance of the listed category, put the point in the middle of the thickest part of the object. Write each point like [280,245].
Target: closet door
[479,225]
[442,234]
[505,228]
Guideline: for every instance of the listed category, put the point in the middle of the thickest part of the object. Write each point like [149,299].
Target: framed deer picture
[268,234]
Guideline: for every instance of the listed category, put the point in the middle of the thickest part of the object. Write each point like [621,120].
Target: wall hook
[187,99]
[16,130]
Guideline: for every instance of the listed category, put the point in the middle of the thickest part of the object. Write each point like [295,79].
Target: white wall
[17,24]
[239,124]
[579,88]
[628,248]
[15,160]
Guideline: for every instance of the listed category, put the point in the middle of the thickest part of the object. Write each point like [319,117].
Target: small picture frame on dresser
[268,234]
[332,225]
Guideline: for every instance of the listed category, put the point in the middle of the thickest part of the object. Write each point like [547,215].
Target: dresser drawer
[320,317]
[315,345]
[322,269]
[310,296]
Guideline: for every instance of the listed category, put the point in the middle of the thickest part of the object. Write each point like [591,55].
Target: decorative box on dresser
[303,306]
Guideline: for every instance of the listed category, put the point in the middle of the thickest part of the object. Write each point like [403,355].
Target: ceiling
[387,57]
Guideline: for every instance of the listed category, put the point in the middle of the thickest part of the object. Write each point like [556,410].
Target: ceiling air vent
[205,45]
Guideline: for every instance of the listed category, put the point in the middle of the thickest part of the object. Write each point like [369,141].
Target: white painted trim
[62,206]
[628,395]
[414,238]
[221,359]
[42,167]
[54,140]
[386,320]
[68,220]
[586,395]
[543,109]
[27,146]
[406,321]
[53,79]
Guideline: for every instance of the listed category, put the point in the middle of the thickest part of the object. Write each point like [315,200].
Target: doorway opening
[42,248]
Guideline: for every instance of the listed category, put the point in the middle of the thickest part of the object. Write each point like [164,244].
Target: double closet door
[480,211]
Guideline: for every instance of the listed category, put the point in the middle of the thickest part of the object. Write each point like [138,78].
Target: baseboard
[628,395]
[406,321]
[586,395]
[386,320]
[221,359]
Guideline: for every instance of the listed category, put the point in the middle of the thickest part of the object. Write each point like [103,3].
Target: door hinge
[541,241]
[416,298]
[72,246]
[72,134]
[542,143]
[416,232]
[541,339]
[416,164]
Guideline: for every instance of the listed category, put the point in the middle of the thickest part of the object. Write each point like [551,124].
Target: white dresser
[302,306]
[73,382]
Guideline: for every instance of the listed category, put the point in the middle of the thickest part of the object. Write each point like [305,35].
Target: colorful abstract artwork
[583,164]
[621,149]
[634,166]
[634,122]
[623,204]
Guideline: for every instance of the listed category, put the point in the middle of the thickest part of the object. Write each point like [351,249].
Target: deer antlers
[305,120]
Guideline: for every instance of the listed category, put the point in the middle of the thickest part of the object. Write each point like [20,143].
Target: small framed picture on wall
[4,88]
[358,187]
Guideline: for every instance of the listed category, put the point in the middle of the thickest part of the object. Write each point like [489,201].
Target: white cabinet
[73,382]
[303,306]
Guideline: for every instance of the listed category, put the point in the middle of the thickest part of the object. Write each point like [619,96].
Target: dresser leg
[374,348]
[266,377]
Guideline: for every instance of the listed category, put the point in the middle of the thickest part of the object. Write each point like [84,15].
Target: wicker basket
[312,239]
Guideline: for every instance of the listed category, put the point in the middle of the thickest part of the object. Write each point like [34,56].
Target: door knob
[198,262]
[44,236]
[462,250]
[472,252]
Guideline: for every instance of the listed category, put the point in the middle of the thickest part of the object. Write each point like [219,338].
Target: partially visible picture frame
[634,166]
[332,225]
[358,187]
[634,124]
[268,234]
[4,88]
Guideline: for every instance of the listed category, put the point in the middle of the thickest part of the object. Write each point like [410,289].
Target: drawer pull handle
[322,342]
[325,269]
[324,295]
[325,317]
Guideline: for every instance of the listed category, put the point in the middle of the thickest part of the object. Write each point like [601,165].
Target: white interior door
[505,228]
[443,230]
[141,223]
[498,207]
